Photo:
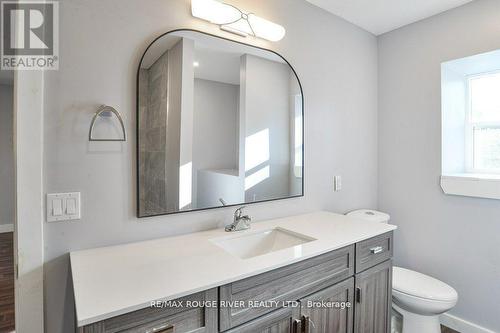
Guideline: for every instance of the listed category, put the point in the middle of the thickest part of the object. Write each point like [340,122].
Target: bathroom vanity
[319,272]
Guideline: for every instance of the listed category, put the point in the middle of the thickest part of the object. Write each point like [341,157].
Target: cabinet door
[329,310]
[279,321]
[373,299]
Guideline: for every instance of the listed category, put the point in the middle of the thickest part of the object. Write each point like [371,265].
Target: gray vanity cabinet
[373,299]
[373,284]
[278,321]
[320,312]
[326,311]
[289,283]
[347,290]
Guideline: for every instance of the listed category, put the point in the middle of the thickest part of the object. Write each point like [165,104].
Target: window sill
[472,185]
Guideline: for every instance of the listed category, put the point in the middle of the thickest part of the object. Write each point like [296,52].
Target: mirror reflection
[219,123]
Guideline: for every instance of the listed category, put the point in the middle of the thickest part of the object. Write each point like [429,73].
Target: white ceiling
[381,16]
[215,65]
[156,50]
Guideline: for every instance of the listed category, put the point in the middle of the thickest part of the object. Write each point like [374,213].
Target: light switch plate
[63,207]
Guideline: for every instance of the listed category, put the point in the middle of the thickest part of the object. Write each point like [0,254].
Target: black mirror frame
[138,126]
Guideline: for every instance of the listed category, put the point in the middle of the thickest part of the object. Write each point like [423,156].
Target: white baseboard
[461,325]
[6,228]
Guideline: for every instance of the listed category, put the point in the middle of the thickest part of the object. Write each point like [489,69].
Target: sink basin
[249,245]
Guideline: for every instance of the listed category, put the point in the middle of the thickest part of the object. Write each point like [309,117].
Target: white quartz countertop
[114,280]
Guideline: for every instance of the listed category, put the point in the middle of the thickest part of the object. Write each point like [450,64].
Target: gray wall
[452,238]
[266,108]
[7,191]
[174,116]
[186,125]
[215,134]
[215,142]
[337,65]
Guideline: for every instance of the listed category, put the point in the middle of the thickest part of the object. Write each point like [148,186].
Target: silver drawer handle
[163,329]
[377,249]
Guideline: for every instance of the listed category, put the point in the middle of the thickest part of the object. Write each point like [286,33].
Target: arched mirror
[218,122]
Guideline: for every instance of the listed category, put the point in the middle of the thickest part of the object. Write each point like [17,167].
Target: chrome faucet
[240,221]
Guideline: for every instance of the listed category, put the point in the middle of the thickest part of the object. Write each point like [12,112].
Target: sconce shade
[266,29]
[214,11]
[236,21]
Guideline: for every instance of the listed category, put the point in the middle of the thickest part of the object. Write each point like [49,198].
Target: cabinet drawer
[284,284]
[373,251]
[164,320]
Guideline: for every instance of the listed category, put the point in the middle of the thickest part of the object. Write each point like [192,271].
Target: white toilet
[419,298]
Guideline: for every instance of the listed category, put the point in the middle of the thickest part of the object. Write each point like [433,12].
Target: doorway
[7,202]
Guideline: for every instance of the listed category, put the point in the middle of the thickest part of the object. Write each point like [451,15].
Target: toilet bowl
[419,298]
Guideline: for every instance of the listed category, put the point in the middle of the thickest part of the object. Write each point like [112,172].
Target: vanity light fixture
[234,20]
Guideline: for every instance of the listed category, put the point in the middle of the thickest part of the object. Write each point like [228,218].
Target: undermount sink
[257,243]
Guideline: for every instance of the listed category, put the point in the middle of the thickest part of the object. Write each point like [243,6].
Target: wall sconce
[234,20]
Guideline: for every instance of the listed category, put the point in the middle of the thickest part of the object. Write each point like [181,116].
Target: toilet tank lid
[370,215]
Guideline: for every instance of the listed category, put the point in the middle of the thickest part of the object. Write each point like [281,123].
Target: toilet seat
[415,284]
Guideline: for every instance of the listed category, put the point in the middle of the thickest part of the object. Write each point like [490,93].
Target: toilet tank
[370,215]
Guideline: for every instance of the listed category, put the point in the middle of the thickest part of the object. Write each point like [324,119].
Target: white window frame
[471,125]
[458,175]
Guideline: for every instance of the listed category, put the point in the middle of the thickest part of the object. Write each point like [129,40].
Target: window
[470,110]
[483,123]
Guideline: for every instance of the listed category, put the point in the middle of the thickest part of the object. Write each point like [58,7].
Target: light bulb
[214,11]
[266,29]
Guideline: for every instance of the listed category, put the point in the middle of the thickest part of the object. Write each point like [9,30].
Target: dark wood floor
[6,282]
